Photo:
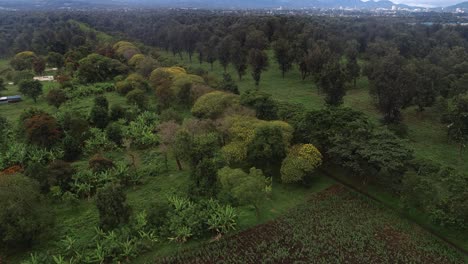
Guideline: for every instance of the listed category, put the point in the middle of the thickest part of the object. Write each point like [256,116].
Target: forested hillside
[186,137]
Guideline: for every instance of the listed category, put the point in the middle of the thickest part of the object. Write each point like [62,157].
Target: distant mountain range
[225,4]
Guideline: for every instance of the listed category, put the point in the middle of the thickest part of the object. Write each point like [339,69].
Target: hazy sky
[429,2]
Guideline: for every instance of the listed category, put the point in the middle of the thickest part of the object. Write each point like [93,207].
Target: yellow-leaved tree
[300,162]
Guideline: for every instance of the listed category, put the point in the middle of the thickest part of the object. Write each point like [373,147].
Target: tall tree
[239,58]
[224,52]
[258,60]
[284,55]
[332,82]
[389,85]
[458,128]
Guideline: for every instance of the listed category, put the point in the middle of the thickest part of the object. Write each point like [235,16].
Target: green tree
[239,61]
[39,65]
[267,148]
[300,163]
[114,133]
[60,174]
[168,133]
[99,115]
[265,107]
[352,67]
[23,61]
[224,52]
[458,127]
[112,207]
[332,82]
[97,68]
[388,82]
[212,105]
[56,97]
[2,85]
[139,98]
[228,84]
[283,55]
[246,188]
[55,59]
[258,60]
[22,218]
[31,88]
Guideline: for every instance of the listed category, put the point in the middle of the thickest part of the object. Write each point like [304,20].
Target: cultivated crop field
[334,226]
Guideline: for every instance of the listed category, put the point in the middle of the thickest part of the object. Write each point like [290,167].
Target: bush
[22,217]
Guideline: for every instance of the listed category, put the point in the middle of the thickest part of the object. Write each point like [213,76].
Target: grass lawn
[426,134]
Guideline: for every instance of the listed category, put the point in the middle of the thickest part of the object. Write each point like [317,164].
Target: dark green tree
[267,148]
[228,84]
[239,60]
[265,107]
[332,82]
[112,207]
[56,97]
[22,218]
[258,60]
[284,55]
[139,98]
[224,52]
[31,88]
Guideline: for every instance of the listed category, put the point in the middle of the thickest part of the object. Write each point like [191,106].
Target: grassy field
[426,134]
[333,226]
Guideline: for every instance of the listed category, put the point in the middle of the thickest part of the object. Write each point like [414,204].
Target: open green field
[333,226]
[426,134]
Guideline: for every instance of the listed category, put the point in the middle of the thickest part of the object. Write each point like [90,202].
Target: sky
[428,3]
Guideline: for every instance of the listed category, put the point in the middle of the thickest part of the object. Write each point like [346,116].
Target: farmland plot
[334,226]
